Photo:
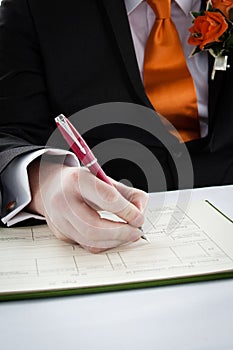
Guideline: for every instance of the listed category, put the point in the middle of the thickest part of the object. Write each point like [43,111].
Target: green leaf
[196,50]
[209,7]
[197,14]
[215,47]
[231,14]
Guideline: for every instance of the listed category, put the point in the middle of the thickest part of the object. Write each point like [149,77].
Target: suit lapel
[215,87]
[117,15]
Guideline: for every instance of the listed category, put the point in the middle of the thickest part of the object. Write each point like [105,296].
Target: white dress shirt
[141,18]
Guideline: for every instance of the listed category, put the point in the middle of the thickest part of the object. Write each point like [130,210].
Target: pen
[82,151]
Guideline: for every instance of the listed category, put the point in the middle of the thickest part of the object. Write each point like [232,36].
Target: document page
[194,241]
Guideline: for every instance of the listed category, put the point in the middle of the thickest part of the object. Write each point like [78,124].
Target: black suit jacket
[58,57]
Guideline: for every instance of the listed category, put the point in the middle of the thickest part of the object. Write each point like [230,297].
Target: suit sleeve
[24,107]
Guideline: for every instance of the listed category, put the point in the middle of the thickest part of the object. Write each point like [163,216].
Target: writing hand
[69,199]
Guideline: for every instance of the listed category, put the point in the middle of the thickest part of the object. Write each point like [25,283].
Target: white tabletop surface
[189,316]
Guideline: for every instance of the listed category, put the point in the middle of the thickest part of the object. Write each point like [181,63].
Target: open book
[186,244]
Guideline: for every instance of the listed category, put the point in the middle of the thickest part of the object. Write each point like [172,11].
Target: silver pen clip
[63,123]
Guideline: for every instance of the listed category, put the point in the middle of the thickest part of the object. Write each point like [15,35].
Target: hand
[69,199]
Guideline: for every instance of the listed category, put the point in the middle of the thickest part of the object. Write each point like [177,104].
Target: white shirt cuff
[16,184]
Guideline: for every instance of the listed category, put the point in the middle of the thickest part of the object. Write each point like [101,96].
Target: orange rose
[207,29]
[223,5]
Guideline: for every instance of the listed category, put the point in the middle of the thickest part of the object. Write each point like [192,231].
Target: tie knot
[160,7]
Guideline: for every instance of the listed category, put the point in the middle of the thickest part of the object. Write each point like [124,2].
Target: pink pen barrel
[98,172]
[83,152]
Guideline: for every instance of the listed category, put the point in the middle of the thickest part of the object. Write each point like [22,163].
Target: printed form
[194,241]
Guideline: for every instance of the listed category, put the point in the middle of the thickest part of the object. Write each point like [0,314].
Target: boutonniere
[212,31]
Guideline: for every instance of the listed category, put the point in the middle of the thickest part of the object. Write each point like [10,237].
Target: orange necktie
[168,82]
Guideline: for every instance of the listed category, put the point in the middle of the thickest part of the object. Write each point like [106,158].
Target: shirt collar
[131,5]
[185,5]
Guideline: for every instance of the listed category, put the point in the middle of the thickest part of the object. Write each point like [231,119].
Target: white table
[189,316]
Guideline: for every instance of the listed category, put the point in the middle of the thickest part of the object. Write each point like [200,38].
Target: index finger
[134,195]
[108,198]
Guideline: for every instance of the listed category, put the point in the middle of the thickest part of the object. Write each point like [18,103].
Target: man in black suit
[61,58]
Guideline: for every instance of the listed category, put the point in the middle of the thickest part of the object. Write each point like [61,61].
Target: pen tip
[145,238]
